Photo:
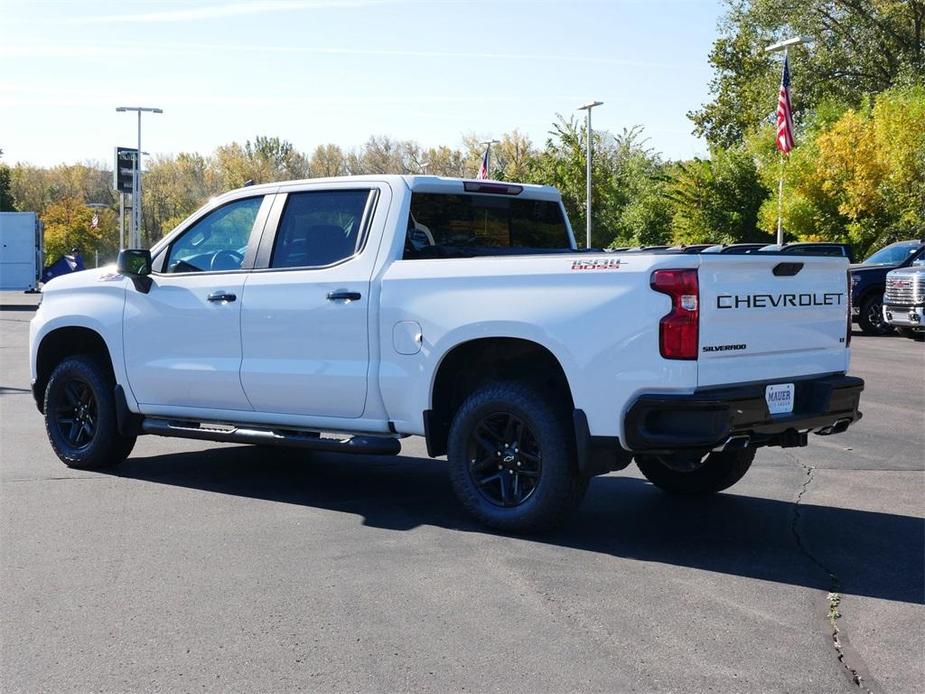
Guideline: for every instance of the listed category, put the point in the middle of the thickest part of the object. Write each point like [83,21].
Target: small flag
[95,222]
[483,169]
[784,112]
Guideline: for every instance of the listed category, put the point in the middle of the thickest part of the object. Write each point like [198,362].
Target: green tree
[858,47]
[628,196]
[717,200]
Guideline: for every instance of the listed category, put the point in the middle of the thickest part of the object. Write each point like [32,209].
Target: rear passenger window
[319,228]
[442,225]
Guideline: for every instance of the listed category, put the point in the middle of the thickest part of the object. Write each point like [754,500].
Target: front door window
[218,241]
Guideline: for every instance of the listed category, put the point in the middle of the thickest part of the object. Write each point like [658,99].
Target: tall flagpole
[785,47]
[780,186]
[780,203]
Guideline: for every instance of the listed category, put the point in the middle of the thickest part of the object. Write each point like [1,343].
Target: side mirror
[135,263]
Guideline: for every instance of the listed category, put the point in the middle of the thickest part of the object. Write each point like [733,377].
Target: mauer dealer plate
[779,398]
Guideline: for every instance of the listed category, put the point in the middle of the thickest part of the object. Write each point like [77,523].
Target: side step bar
[368,445]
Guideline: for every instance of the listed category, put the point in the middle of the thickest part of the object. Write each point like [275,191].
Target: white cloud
[134,50]
[235,9]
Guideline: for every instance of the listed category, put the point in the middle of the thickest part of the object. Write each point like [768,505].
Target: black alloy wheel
[512,457]
[76,414]
[80,414]
[871,319]
[505,461]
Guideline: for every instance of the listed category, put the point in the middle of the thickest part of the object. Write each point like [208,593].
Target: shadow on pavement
[875,554]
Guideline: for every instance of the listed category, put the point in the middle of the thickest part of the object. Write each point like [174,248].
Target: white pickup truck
[345,314]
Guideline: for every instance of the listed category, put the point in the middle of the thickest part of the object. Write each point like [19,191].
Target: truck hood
[858,267]
[82,280]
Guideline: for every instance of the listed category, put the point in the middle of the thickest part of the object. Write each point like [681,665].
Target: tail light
[678,331]
[850,307]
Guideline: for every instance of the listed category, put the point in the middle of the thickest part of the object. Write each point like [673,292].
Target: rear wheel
[871,320]
[80,415]
[717,472]
[512,459]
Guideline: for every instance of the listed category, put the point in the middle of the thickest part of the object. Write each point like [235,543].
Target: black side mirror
[135,263]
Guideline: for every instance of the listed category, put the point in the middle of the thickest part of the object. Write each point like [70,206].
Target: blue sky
[317,71]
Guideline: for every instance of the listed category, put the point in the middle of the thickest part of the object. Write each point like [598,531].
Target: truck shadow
[874,554]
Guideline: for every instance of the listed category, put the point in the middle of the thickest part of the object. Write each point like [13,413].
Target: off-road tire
[558,489]
[105,447]
[870,307]
[720,471]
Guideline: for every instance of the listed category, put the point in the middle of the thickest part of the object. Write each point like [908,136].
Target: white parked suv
[345,314]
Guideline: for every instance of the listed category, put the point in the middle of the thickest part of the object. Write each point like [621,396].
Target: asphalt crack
[847,656]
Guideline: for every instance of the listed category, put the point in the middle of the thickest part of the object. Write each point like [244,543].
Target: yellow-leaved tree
[69,224]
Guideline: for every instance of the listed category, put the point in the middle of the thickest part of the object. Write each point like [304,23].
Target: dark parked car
[868,282]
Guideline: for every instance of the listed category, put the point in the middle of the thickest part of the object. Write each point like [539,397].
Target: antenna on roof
[248,182]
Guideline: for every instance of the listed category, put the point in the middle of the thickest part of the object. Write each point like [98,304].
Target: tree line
[857,174]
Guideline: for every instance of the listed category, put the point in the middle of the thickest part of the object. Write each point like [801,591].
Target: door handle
[221,296]
[349,296]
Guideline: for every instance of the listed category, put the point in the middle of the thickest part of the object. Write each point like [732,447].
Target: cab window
[319,228]
[218,241]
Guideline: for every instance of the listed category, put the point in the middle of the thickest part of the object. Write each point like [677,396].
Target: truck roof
[423,184]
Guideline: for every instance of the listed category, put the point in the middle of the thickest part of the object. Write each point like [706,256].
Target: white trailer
[20,251]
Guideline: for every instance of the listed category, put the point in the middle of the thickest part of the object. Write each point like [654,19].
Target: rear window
[447,226]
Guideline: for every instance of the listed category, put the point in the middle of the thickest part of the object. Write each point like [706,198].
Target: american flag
[784,112]
[483,169]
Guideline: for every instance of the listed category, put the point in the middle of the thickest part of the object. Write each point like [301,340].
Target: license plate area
[779,398]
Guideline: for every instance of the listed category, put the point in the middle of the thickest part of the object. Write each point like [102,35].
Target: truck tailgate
[771,317]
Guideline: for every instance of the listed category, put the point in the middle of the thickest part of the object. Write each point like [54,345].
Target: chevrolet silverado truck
[346,314]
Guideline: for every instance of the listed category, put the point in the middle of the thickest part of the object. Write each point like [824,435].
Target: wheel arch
[64,342]
[469,364]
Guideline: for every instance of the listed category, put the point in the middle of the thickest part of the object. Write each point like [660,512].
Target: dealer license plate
[780,398]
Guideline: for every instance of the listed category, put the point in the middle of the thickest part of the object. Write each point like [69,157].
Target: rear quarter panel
[600,323]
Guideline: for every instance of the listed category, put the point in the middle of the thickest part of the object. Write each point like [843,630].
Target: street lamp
[587,107]
[136,174]
[784,46]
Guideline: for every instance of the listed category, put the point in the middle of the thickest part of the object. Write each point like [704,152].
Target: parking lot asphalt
[206,567]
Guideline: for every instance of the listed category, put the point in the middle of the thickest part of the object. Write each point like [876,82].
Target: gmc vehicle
[868,282]
[345,314]
[904,299]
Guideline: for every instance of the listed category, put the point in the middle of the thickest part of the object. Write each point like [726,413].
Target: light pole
[136,175]
[587,108]
[776,48]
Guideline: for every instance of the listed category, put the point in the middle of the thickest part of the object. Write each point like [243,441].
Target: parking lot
[206,567]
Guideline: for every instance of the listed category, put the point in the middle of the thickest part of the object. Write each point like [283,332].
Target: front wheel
[717,472]
[512,459]
[80,415]
[871,320]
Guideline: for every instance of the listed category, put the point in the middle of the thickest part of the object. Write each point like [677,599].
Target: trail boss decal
[778,300]
[597,264]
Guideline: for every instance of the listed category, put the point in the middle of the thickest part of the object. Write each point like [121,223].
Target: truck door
[183,337]
[305,316]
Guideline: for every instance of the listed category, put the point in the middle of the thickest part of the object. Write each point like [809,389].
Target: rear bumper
[716,417]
